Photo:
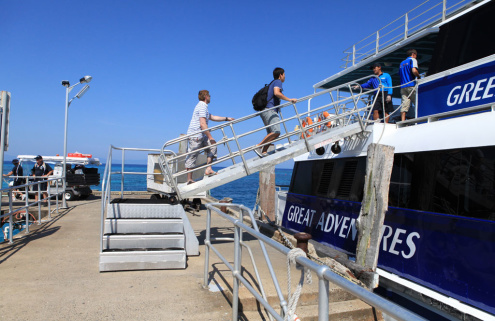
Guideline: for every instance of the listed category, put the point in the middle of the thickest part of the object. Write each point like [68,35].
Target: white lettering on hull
[399,242]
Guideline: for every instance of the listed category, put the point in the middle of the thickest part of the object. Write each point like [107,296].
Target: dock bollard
[302,241]
[227,200]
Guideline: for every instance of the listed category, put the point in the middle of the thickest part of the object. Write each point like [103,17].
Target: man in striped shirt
[200,136]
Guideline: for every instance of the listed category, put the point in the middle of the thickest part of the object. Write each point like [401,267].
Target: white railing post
[406,26]
[377,42]
[353,55]
[444,9]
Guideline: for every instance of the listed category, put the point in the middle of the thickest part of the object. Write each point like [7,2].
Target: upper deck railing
[426,14]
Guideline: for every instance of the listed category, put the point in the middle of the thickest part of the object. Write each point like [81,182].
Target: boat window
[302,178]
[400,181]
[456,182]
[347,179]
[325,178]
[342,178]
[464,40]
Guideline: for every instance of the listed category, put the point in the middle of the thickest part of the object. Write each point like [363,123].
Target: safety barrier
[25,190]
[401,28]
[324,274]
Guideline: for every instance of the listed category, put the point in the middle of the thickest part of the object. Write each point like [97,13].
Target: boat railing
[16,210]
[330,112]
[106,183]
[324,273]
[422,16]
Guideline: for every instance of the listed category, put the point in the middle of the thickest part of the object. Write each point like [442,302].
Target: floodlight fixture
[65,83]
[82,91]
[85,79]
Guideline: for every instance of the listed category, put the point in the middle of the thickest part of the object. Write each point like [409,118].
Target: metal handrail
[355,54]
[107,178]
[347,115]
[27,204]
[323,272]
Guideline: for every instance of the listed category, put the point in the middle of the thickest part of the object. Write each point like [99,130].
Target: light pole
[68,89]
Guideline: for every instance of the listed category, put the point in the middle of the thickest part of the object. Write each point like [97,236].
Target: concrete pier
[52,274]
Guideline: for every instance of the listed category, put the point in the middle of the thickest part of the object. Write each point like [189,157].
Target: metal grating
[325,178]
[347,179]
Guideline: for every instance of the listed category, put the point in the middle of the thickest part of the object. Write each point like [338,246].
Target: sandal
[259,154]
[191,182]
[211,174]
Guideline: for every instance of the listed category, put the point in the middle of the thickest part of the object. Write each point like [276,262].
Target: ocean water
[242,191]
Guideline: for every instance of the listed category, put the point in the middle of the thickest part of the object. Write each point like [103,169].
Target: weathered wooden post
[267,192]
[375,203]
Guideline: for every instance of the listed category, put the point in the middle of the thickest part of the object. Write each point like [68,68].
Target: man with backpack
[270,115]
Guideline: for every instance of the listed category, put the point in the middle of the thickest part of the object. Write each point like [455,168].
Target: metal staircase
[343,116]
[141,234]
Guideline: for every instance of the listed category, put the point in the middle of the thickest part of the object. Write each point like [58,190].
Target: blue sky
[149,59]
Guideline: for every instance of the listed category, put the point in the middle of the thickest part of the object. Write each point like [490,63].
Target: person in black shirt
[16,171]
[41,170]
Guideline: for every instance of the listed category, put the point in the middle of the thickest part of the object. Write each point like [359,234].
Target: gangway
[315,128]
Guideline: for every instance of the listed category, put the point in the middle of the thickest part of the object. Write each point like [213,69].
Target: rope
[398,107]
[291,258]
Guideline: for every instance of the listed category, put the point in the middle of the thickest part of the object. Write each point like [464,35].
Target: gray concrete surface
[52,274]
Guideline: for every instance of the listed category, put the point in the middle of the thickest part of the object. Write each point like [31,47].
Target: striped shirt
[201,110]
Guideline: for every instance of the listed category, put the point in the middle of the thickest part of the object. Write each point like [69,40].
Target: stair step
[143,209]
[134,226]
[351,310]
[142,260]
[112,242]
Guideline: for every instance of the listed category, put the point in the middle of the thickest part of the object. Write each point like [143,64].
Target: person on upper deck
[408,73]
[386,89]
[41,171]
[270,115]
[16,171]
[199,122]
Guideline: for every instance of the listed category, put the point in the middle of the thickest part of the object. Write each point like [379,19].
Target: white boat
[438,240]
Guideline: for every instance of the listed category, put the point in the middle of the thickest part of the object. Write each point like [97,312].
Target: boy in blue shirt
[408,72]
[373,83]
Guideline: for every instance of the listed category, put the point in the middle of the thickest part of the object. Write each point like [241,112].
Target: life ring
[305,123]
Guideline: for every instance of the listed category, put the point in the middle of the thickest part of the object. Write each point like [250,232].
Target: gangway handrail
[347,115]
[323,272]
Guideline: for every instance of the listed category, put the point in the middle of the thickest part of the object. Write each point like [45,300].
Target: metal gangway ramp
[341,112]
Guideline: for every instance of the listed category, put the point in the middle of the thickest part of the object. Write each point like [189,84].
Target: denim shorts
[270,117]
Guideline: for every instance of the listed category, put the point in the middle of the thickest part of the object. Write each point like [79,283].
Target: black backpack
[260,98]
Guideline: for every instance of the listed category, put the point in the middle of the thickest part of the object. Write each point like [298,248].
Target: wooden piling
[267,192]
[374,205]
